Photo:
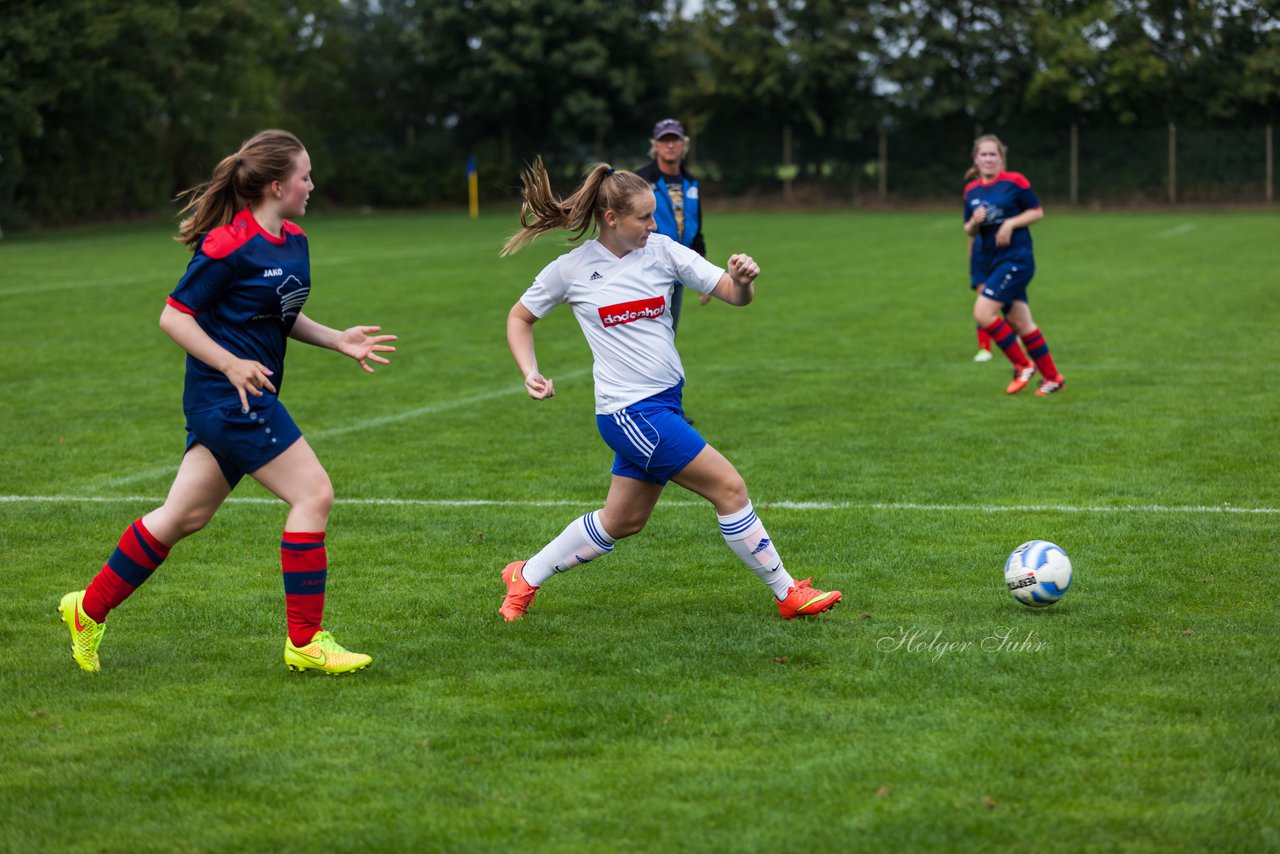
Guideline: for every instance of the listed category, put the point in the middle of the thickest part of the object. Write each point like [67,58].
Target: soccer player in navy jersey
[999,208]
[618,286]
[232,312]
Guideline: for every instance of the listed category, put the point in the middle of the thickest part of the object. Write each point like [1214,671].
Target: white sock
[745,534]
[581,542]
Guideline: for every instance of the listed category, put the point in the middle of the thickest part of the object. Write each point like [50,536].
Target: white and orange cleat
[1021,376]
[1051,386]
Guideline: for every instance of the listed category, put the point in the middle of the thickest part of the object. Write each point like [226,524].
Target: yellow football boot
[325,654]
[86,635]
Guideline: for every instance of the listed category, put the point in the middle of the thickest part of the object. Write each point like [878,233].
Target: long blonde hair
[239,179]
[977,143]
[604,188]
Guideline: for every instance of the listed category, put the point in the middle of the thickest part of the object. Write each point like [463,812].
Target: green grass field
[654,701]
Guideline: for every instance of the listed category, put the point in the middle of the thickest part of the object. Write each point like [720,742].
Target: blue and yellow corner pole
[473,187]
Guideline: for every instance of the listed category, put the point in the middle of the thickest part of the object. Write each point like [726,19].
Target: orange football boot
[803,600]
[1021,376]
[519,594]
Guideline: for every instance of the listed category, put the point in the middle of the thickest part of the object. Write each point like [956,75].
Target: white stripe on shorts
[633,432]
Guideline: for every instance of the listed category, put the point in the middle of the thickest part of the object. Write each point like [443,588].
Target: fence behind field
[1077,165]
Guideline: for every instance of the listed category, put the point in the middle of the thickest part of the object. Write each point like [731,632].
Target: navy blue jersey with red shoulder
[245,288]
[1005,196]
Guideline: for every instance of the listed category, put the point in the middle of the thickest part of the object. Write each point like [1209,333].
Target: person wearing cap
[679,211]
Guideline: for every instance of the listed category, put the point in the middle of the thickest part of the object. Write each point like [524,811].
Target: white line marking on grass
[434,408]
[763,505]
[1177,230]
[1030,508]
[369,424]
[80,284]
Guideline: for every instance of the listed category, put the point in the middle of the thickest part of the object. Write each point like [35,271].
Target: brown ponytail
[239,179]
[603,189]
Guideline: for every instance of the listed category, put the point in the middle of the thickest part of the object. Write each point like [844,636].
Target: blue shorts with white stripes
[651,440]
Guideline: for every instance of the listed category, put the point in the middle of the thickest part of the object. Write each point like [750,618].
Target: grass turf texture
[654,700]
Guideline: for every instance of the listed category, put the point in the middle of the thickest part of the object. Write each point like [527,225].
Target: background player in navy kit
[999,208]
[232,311]
[617,286]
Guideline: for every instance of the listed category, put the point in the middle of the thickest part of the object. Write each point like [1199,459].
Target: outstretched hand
[361,344]
[538,386]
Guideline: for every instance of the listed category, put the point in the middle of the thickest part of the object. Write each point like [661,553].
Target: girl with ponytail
[233,311]
[618,284]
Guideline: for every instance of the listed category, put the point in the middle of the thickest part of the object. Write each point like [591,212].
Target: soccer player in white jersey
[617,285]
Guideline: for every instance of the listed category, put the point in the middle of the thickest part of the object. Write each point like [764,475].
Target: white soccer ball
[1038,573]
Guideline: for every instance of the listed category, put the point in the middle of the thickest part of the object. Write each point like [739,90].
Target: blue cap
[667,127]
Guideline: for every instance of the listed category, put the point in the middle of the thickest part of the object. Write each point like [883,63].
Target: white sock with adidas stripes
[581,542]
[745,534]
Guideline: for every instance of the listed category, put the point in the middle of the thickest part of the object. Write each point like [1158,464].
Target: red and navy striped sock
[1002,333]
[1040,352]
[984,339]
[306,567]
[137,555]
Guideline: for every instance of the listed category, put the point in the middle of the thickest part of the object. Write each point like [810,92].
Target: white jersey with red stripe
[623,307]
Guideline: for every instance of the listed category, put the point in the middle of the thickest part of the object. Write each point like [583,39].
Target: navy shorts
[1008,282]
[243,442]
[651,440]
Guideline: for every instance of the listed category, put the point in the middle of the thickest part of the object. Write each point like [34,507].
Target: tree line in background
[109,108]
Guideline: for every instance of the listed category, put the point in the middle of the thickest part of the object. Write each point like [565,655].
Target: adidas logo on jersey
[595,276]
